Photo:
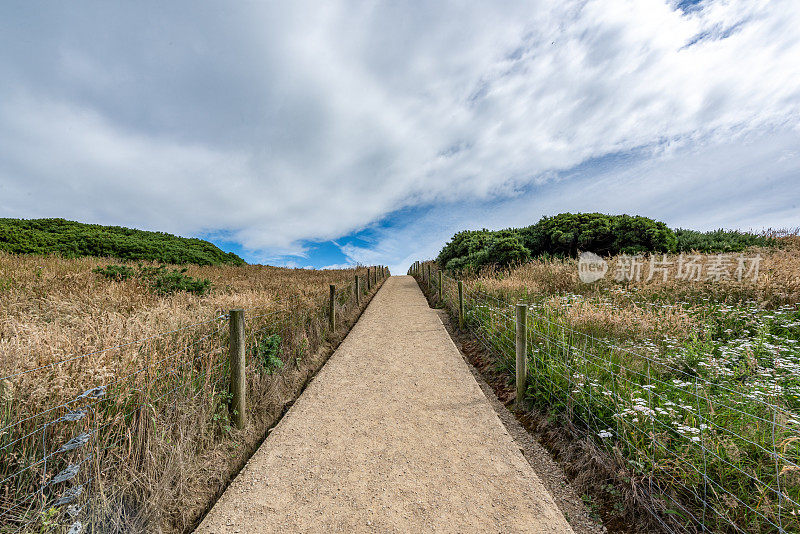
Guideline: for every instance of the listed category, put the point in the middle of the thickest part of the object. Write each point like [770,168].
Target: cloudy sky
[326,133]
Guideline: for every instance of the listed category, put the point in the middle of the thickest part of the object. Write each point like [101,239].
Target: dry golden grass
[160,439]
[604,307]
[52,307]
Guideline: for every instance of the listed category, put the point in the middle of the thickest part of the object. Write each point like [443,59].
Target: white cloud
[277,123]
[749,184]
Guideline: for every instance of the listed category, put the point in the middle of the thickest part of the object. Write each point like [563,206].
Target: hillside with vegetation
[567,234]
[667,375]
[137,358]
[74,240]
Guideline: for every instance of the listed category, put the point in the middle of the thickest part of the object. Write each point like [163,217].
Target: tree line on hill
[567,234]
[74,239]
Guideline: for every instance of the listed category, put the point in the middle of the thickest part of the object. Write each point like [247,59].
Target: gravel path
[393,435]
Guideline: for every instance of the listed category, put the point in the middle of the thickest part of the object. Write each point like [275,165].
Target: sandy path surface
[393,435]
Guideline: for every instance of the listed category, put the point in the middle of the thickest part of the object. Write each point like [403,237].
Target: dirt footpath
[393,435]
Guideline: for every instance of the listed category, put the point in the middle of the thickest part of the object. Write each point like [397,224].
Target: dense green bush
[506,248]
[160,279]
[476,248]
[567,234]
[73,239]
[720,241]
[463,245]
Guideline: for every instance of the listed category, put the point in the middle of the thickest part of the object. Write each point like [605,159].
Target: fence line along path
[394,435]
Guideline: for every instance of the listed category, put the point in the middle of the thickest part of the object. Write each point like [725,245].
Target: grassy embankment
[684,394]
[159,444]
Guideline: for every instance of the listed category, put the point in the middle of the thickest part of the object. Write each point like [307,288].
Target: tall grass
[138,383]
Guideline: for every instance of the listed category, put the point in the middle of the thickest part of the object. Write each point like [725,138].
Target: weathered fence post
[357,291]
[429,275]
[440,285]
[522,350]
[369,284]
[461,305]
[236,357]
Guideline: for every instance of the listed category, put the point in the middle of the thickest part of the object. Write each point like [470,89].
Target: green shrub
[161,280]
[562,235]
[463,245]
[73,239]
[473,249]
[720,241]
[268,353]
[117,273]
[567,234]
[167,281]
[507,249]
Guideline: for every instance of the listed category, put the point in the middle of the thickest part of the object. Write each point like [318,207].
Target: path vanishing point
[393,435]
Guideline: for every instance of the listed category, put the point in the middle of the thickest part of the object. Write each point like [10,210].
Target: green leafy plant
[267,351]
[167,281]
[117,273]
[161,280]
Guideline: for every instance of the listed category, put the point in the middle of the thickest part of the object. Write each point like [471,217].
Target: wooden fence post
[332,309]
[236,355]
[429,275]
[461,305]
[369,283]
[522,351]
[357,291]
